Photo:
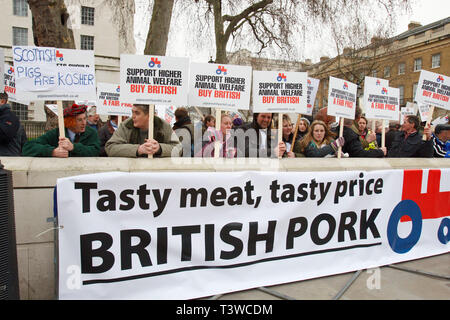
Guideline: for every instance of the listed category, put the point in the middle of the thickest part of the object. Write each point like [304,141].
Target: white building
[96,25]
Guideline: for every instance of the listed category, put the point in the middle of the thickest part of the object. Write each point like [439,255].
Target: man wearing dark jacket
[408,142]
[256,139]
[12,133]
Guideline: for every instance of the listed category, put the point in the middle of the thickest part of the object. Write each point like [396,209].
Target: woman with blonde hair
[319,141]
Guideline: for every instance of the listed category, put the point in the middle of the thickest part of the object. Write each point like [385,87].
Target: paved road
[430,281]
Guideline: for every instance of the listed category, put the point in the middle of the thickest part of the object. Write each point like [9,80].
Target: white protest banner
[341,98]
[313,87]
[154,79]
[383,104]
[108,100]
[433,89]
[222,86]
[44,73]
[372,86]
[10,85]
[281,92]
[2,70]
[162,235]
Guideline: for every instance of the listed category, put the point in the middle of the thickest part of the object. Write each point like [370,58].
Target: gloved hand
[339,142]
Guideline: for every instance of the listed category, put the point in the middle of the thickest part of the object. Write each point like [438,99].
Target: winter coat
[126,140]
[43,146]
[410,146]
[12,133]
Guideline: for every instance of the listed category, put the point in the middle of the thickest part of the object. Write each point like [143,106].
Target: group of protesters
[86,136]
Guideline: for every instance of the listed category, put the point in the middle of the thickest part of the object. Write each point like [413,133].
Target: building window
[418,64]
[401,68]
[387,72]
[401,94]
[374,73]
[436,60]
[87,15]
[87,42]
[20,8]
[21,110]
[20,36]
[414,91]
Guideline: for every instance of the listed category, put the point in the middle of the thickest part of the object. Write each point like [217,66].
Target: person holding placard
[408,142]
[131,138]
[303,127]
[258,140]
[12,133]
[319,141]
[80,140]
[353,146]
[224,136]
[368,139]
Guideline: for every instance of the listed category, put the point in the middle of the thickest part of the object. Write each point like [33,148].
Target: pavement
[422,279]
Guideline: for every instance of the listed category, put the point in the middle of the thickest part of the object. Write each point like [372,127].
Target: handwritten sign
[220,86]
[108,100]
[154,79]
[44,73]
[313,86]
[433,89]
[341,98]
[281,92]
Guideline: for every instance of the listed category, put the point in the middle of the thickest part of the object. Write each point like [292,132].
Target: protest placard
[167,113]
[10,85]
[165,235]
[280,92]
[313,87]
[44,73]
[433,89]
[154,79]
[406,111]
[221,86]
[372,86]
[383,104]
[341,98]
[108,100]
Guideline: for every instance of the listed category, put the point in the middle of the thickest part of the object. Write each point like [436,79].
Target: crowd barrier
[34,180]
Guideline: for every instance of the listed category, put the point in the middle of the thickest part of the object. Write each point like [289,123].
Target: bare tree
[50,19]
[158,33]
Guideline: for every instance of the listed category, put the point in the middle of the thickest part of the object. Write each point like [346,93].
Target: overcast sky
[423,11]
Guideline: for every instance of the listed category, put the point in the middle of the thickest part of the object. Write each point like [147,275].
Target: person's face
[302,126]
[287,128]
[93,119]
[444,136]
[80,123]
[140,119]
[211,123]
[264,119]
[362,124]
[225,125]
[407,126]
[318,132]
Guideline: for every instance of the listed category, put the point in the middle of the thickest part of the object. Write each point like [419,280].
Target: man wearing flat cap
[80,140]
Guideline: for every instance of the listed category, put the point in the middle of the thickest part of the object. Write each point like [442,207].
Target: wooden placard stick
[62,133]
[295,132]
[341,133]
[430,116]
[216,142]
[280,130]
[383,134]
[119,120]
[151,116]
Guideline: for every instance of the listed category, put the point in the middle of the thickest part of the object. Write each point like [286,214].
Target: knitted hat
[74,110]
